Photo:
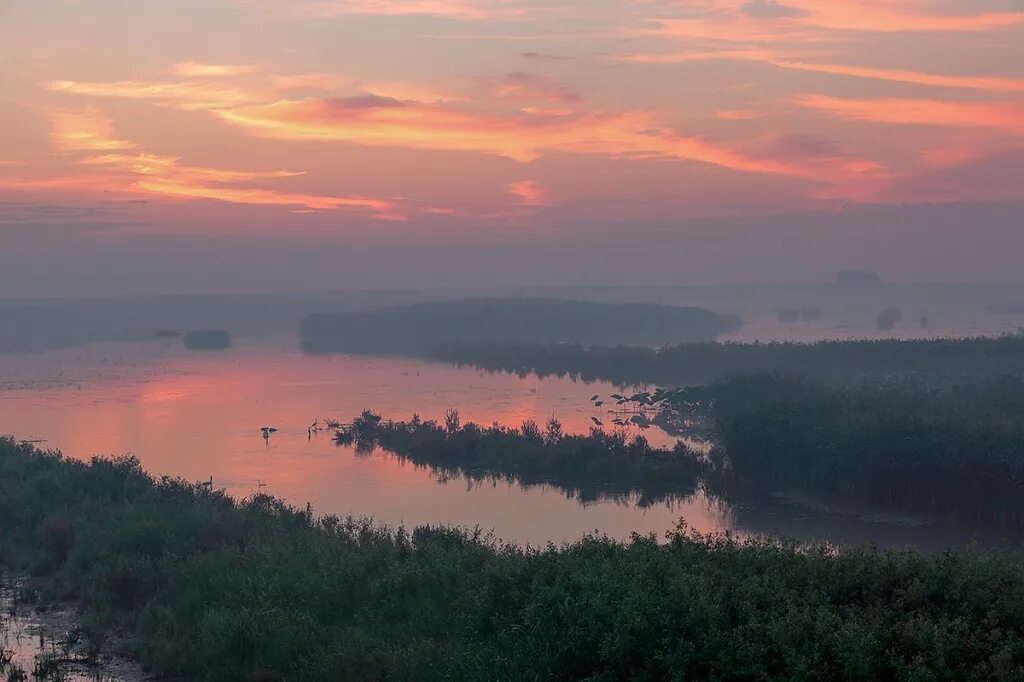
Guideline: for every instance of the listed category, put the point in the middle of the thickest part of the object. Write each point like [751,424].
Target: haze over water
[198,415]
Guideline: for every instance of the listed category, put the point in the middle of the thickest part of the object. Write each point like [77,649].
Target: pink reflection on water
[198,415]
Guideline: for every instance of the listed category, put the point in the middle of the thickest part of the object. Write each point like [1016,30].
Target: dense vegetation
[423,328]
[587,467]
[213,589]
[695,363]
[953,449]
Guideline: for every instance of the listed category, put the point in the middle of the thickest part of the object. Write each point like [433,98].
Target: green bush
[215,589]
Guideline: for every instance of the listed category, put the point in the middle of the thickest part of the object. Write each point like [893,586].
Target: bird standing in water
[267,430]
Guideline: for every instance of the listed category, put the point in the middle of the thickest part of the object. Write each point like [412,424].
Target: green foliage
[588,467]
[212,589]
[695,363]
[954,449]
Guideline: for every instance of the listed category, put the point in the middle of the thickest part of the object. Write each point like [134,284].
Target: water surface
[198,415]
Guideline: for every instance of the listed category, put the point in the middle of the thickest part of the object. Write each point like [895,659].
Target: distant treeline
[588,467]
[428,328]
[940,450]
[206,588]
[696,363]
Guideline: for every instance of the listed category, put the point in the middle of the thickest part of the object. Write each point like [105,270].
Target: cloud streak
[200,70]
[84,129]
[1006,117]
[529,193]
[523,137]
[780,60]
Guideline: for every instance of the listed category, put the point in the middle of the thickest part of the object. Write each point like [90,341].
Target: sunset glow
[338,119]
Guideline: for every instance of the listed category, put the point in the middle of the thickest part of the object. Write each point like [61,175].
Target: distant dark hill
[210,339]
[424,328]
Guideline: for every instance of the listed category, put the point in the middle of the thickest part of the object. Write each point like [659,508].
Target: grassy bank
[696,363]
[213,589]
[587,467]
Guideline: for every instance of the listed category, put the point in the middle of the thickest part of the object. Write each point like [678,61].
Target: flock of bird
[268,431]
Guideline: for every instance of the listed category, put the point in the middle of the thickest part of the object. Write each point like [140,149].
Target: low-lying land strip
[589,467]
[424,329]
[697,363]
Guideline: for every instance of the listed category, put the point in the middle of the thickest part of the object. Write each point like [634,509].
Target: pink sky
[504,126]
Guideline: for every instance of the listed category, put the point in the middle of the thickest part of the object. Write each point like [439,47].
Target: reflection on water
[48,645]
[199,415]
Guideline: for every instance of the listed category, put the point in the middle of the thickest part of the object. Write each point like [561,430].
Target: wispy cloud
[989,83]
[188,94]
[1007,117]
[200,70]
[107,168]
[743,20]
[84,129]
[454,9]
[529,87]
[524,133]
[529,193]
[523,136]
[785,60]
[892,16]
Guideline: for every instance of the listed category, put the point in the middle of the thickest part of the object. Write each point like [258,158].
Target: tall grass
[954,449]
[213,589]
[696,363]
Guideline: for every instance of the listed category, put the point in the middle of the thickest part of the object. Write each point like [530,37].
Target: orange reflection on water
[198,415]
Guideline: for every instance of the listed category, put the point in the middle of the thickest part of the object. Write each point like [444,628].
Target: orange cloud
[529,193]
[763,20]
[85,129]
[157,165]
[523,137]
[404,91]
[781,60]
[524,86]
[199,95]
[1003,116]
[455,9]
[162,176]
[753,55]
[188,95]
[737,115]
[994,84]
[89,130]
[890,16]
[200,70]
[264,197]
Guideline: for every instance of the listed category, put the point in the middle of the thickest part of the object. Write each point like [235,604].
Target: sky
[149,146]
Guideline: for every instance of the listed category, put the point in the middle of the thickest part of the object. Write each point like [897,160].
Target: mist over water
[198,414]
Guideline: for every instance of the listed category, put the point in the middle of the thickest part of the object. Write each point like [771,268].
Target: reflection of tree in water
[587,468]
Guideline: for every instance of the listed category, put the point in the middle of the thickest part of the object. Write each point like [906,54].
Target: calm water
[35,641]
[198,415]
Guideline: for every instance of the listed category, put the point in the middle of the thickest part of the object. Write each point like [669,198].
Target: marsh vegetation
[953,449]
[211,588]
[589,467]
[698,363]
